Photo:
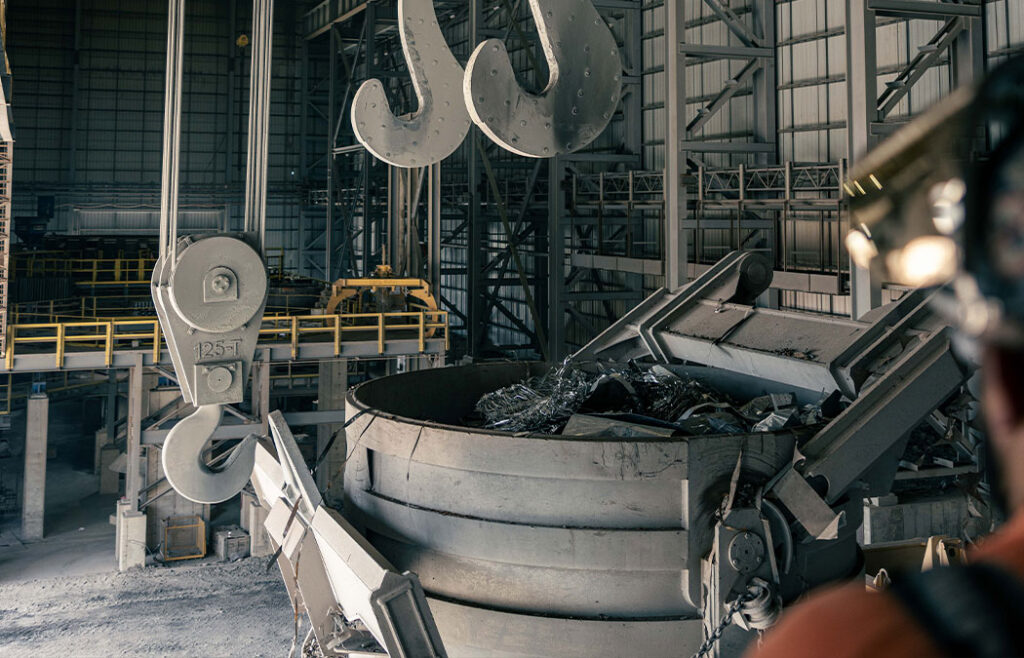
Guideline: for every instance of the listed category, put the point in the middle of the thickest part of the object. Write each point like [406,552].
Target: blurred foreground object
[941,203]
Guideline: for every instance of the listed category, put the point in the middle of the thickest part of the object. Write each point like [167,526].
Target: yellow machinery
[381,293]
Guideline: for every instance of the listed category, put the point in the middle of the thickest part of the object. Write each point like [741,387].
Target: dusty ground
[63,597]
[235,609]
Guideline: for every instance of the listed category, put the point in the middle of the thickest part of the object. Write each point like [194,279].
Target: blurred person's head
[941,204]
[994,257]
[1001,249]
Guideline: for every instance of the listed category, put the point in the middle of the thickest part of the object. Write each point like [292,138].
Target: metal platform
[114,343]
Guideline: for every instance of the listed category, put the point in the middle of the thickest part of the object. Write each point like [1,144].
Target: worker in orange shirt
[978,609]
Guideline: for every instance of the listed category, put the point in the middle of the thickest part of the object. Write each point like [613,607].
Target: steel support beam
[332,113]
[723,52]
[928,55]
[923,9]
[33,500]
[765,83]
[329,13]
[557,294]
[862,112]
[434,231]
[967,54]
[676,245]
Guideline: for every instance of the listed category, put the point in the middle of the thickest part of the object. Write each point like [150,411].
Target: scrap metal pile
[632,400]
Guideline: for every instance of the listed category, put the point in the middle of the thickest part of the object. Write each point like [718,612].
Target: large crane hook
[438,127]
[584,87]
[210,291]
[187,471]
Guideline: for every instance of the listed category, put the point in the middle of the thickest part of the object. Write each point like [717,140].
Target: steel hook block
[584,87]
[438,127]
[186,469]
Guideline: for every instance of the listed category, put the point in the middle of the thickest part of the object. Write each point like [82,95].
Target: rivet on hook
[413,140]
[583,60]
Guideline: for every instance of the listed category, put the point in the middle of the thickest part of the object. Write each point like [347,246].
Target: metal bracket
[211,330]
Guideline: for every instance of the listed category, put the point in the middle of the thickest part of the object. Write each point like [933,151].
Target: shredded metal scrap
[546,403]
[539,404]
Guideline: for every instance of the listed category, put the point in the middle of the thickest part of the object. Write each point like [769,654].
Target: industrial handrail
[11,391]
[144,333]
[108,271]
[87,271]
[110,307]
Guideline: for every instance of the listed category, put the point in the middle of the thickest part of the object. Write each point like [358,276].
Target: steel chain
[716,635]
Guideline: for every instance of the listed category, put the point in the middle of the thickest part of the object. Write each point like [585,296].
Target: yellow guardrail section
[107,271]
[109,307]
[88,271]
[144,333]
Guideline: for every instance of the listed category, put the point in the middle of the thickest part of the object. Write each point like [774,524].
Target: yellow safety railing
[110,307]
[87,271]
[274,257]
[144,333]
[425,324]
[109,271]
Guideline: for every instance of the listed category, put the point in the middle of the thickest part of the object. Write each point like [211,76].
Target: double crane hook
[583,90]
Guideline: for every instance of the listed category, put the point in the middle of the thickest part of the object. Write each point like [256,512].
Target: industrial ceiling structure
[504,327]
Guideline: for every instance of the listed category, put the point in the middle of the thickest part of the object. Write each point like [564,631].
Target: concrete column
[332,388]
[133,475]
[862,112]
[110,480]
[110,409]
[253,518]
[99,440]
[130,536]
[34,499]
[676,246]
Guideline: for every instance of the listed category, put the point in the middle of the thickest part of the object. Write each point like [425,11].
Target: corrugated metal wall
[811,41]
[812,69]
[811,81]
[89,120]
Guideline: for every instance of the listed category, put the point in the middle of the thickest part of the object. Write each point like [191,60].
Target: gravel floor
[211,609]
